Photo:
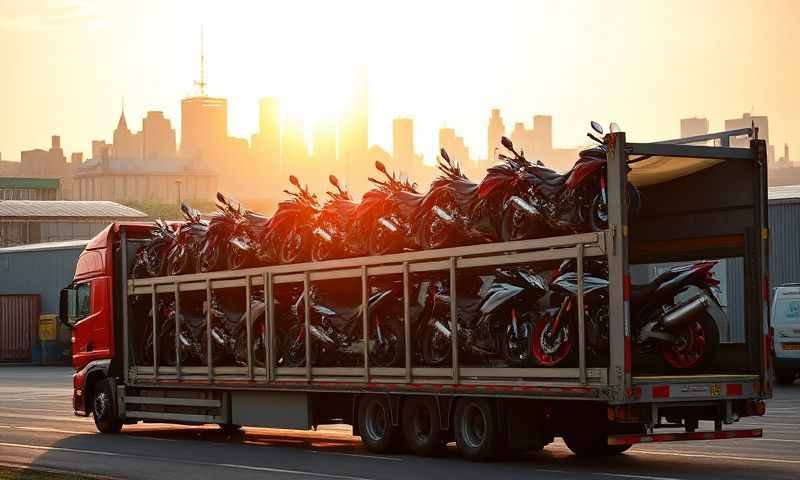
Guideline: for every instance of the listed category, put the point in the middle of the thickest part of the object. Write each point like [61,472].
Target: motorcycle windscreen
[659,169]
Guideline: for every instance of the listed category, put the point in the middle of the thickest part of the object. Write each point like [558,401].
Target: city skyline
[152,60]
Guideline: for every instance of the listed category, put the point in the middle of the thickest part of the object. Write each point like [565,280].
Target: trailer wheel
[594,443]
[375,424]
[476,429]
[421,428]
[103,408]
[784,377]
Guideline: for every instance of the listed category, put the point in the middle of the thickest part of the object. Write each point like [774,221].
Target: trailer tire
[104,409]
[421,426]
[594,443]
[476,429]
[784,377]
[375,424]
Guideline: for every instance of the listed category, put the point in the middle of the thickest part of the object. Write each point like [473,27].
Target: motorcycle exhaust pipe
[439,326]
[217,337]
[388,224]
[323,234]
[443,215]
[686,312]
[322,336]
[525,206]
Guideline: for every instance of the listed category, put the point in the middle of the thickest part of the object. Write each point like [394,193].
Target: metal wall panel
[40,272]
[784,226]
[19,316]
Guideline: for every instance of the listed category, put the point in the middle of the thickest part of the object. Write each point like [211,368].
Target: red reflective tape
[627,342]
[661,391]
[675,437]
[733,389]
[765,289]
[626,287]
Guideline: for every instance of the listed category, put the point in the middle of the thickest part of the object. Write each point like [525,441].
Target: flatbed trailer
[697,202]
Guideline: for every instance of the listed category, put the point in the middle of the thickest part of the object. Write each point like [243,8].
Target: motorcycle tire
[546,354]
[211,261]
[139,268]
[238,259]
[217,352]
[259,345]
[157,268]
[293,352]
[598,212]
[434,233]
[391,353]
[296,246]
[167,355]
[697,349]
[383,242]
[322,250]
[436,347]
[179,264]
[517,352]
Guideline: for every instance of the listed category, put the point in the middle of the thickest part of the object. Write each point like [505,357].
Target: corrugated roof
[67,208]
[33,247]
[784,192]
[20,182]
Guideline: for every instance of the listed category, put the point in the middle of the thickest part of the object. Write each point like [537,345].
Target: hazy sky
[66,65]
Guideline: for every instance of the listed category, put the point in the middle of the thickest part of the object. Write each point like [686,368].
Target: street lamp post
[178,184]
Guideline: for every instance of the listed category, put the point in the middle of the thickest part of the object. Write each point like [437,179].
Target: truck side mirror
[67,303]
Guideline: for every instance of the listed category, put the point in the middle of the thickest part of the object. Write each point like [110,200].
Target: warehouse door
[19,316]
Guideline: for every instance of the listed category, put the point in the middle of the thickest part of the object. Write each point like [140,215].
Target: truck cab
[786,323]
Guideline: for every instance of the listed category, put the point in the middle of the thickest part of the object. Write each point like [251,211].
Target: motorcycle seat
[407,202]
[641,292]
[469,304]
[464,191]
[256,218]
[593,153]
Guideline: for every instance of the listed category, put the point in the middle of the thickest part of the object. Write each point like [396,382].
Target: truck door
[89,316]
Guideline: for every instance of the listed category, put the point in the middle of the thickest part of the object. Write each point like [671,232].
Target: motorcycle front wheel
[213,260]
[550,348]
[517,349]
[322,250]
[296,246]
[294,347]
[388,352]
[179,263]
[598,211]
[383,241]
[436,233]
[520,225]
[436,347]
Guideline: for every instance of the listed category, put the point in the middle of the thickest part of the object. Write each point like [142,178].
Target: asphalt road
[37,428]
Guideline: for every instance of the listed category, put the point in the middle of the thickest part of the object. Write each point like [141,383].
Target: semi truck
[700,199]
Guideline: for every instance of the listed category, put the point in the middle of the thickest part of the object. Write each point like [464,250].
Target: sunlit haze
[68,65]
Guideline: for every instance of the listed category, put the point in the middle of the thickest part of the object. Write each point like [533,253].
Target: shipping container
[19,323]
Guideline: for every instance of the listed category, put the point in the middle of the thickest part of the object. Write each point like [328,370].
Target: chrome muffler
[443,215]
[523,205]
[685,313]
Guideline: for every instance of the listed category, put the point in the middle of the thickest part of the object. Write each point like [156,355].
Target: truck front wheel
[103,408]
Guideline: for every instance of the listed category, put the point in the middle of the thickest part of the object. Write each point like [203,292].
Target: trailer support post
[307,317]
[155,331]
[365,318]
[178,330]
[248,319]
[209,346]
[581,319]
[123,243]
[454,318]
[407,320]
[269,353]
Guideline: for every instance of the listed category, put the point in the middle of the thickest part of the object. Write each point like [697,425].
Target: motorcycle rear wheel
[212,261]
[436,347]
[598,211]
[382,241]
[179,264]
[238,259]
[296,246]
[436,233]
[322,250]
[697,347]
[390,353]
[519,225]
[294,347]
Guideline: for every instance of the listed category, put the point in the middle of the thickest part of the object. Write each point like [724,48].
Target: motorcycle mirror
[445,155]
[294,181]
[596,127]
[185,208]
[334,181]
[594,138]
[381,167]
[614,128]
[507,143]
[221,197]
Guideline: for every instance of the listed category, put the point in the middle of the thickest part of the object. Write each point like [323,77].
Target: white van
[786,322]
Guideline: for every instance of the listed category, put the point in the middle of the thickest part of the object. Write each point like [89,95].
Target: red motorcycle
[190,235]
[332,224]
[575,201]
[290,234]
[396,226]
[215,247]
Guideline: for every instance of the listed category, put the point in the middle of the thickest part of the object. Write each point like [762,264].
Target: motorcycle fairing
[497,295]
[583,169]
[569,283]
[370,203]
[496,176]
[288,215]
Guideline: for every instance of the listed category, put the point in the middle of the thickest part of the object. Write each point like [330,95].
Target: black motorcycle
[150,259]
[214,249]
[494,322]
[682,329]
[182,256]
[191,340]
[336,331]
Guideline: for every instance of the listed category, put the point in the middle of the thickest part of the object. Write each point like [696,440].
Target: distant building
[542,136]
[354,133]
[454,145]
[98,183]
[692,127]
[17,188]
[158,138]
[45,163]
[24,222]
[403,144]
[495,133]
[127,146]
[294,151]
[204,130]
[324,154]
[266,144]
[761,122]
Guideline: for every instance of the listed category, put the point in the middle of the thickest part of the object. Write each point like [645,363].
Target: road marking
[189,462]
[622,475]
[73,418]
[44,429]
[721,457]
[359,455]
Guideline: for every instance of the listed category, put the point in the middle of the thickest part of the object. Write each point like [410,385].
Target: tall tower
[403,144]
[353,129]
[158,138]
[542,142]
[495,131]
[267,142]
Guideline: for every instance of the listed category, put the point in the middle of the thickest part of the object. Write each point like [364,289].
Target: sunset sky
[66,65]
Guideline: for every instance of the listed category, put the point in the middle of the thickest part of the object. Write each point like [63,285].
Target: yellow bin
[48,327]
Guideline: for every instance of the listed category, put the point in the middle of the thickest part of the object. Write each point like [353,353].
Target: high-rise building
[294,151]
[542,136]
[44,163]
[158,138]
[324,156]
[761,122]
[692,127]
[127,145]
[522,138]
[204,130]
[267,142]
[403,144]
[354,131]
[496,131]
[454,145]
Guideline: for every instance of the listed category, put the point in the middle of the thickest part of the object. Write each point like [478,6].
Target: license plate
[791,346]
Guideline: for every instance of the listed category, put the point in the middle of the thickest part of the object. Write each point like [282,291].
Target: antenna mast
[202,82]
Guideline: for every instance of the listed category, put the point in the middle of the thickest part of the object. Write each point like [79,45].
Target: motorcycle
[187,244]
[229,332]
[213,251]
[150,259]
[571,202]
[289,236]
[332,224]
[191,340]
[494,322]
[244,246]
[683,331]
[395,227]
[336,331]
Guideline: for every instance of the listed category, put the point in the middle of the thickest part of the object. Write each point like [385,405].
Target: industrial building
[24,222]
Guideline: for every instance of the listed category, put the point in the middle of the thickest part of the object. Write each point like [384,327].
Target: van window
[786,311]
